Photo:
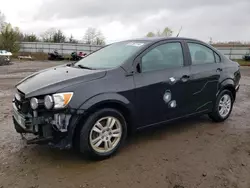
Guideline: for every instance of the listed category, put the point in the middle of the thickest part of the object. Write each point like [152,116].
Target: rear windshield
[111,56]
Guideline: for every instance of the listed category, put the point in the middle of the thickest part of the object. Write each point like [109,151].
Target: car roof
[157,39]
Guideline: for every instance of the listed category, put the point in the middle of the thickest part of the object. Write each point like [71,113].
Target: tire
[216,114]
[90,138]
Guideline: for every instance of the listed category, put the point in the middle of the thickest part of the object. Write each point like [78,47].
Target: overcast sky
[223,20]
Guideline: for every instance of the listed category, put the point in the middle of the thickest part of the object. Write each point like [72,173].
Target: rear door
[160,83]
[205,72]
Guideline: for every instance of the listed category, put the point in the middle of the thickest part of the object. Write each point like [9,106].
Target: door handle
[219,69]
[185,78]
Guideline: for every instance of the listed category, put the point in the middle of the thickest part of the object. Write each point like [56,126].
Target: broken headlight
[48,102]
[58,100]
[34,103]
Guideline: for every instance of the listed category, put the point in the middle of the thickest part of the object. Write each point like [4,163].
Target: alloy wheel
[106,134]
[225,105]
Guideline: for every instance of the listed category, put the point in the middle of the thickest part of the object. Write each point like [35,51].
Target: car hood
[53,79]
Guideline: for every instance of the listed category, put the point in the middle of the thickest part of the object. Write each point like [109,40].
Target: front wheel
[103,133]
[223,106]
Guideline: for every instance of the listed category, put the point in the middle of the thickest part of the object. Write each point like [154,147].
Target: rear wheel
[223,106]
[103,133]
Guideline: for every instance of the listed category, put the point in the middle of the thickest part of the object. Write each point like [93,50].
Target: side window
[201,54]
[163,56]
[217,58]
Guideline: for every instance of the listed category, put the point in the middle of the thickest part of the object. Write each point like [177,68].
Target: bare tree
[72,40]
[93,36]
[47,36]
[100,39]
[28,37]
[53,35]
[89,35]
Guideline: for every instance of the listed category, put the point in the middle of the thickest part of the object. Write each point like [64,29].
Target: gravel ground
[186,154]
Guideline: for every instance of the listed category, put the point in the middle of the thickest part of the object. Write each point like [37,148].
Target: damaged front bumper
[54,128]
[237,88]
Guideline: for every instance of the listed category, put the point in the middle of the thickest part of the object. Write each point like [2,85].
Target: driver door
[161,81]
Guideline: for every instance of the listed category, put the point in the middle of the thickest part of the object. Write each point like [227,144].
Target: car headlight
[61,100]
[34,103]
[48,102]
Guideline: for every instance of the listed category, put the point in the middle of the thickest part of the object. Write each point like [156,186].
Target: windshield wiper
[83,67]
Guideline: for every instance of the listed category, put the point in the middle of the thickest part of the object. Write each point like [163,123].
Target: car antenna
[179,32]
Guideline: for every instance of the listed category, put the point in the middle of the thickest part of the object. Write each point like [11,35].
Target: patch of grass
[242,62]
[40,56]
[35,56]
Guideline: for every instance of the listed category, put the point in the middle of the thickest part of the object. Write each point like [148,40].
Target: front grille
[23,105]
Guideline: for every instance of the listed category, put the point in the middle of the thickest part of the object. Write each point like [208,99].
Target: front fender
[106,98]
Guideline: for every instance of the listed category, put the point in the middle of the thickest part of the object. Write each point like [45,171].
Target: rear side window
[217,58]
[201,54]
[164,56]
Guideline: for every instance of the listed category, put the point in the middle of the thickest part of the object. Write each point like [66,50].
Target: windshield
[111,56]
